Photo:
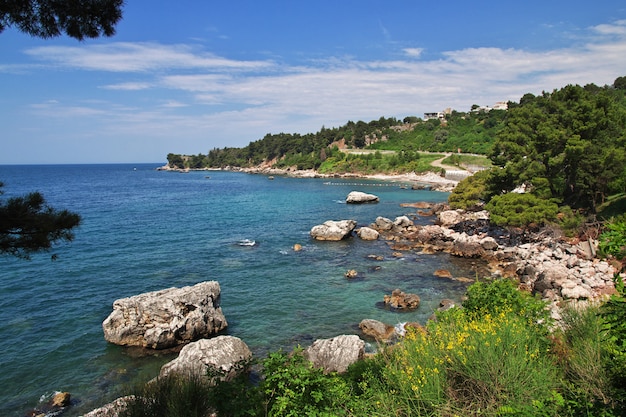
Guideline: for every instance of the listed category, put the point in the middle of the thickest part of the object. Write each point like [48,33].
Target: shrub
[502,295]
[294,387]
[613,240]
[176,395]
[472,365]
[470,193]
[514,209]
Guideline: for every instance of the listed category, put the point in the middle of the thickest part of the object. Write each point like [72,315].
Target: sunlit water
[145,230]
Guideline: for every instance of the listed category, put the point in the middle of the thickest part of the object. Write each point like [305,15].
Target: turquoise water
[145,230]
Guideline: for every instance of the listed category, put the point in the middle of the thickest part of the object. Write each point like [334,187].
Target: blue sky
[189,76]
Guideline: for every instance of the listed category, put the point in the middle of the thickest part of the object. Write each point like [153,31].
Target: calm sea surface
[145,230]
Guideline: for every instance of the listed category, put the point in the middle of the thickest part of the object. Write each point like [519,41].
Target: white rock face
[358,197]
[333,230]
[222,353]
[166,318]
[367,233]
[336,354]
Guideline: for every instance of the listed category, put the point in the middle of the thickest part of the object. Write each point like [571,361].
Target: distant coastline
[434,180]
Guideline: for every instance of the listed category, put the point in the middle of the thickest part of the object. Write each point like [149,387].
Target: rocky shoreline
[557,270]
[430,180]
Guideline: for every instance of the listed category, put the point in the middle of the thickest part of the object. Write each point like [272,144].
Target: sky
[189,76]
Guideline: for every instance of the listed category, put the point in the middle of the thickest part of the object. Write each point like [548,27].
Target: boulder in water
[333,230]
[358,197]
[166,318]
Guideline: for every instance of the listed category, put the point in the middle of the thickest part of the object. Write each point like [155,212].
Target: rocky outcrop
[367,233]
[336,354]
[112,409]
[358,197]
[378,330]
[166,318]
[551,267]
[400,300]
[333,230]
[222,355]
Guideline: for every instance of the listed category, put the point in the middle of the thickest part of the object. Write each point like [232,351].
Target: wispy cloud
[139,57]
[238,101]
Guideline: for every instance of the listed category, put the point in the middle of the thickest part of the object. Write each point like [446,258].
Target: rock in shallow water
[166,318]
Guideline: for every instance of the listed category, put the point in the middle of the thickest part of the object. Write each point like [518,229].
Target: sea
[145,230]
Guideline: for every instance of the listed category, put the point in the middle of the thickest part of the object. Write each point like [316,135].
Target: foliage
[580,351]
[79,19]
[470,193]
[513,209]
[613,313]
[294,387]
[570,145]
[29,225]
[613,239]
[502,294]
[472,365]
[175,395]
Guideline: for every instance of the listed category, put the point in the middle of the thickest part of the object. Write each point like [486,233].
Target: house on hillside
[439,115]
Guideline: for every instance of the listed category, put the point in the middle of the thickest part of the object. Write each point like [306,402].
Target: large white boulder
[166,318]
[358,197]
[333,230]
[336,354]
[222,354]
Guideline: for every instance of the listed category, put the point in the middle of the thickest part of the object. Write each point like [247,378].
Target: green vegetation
[29,225]
[494,357]
[472,132]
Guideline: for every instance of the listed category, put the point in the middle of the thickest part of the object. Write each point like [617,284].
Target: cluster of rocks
[553,268]
[189,316]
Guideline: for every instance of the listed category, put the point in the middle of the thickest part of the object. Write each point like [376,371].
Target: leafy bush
[470,193]
[502,295]
[294,387]
[472,365]
[514,209]
[613,240]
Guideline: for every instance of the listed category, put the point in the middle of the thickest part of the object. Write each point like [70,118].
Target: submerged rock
[166,318]
[402,301]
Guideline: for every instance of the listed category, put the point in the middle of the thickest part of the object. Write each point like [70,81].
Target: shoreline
[437,182]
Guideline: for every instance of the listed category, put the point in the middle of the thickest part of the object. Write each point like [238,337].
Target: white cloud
[413,52]
[192,100]
[138,57]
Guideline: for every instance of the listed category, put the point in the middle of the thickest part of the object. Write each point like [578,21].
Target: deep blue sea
[145,230]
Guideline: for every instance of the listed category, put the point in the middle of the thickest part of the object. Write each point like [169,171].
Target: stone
[489,243]
[333,230]
[576,292]
[367,233]
[166,318]
[112,409]
[297,247]
[336,354]
[450,218]
[383,223]
[358,197]
[61,399]
[224,354]
[402,222]
[378,330]
[351,274]
[442,273]
[402,301]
